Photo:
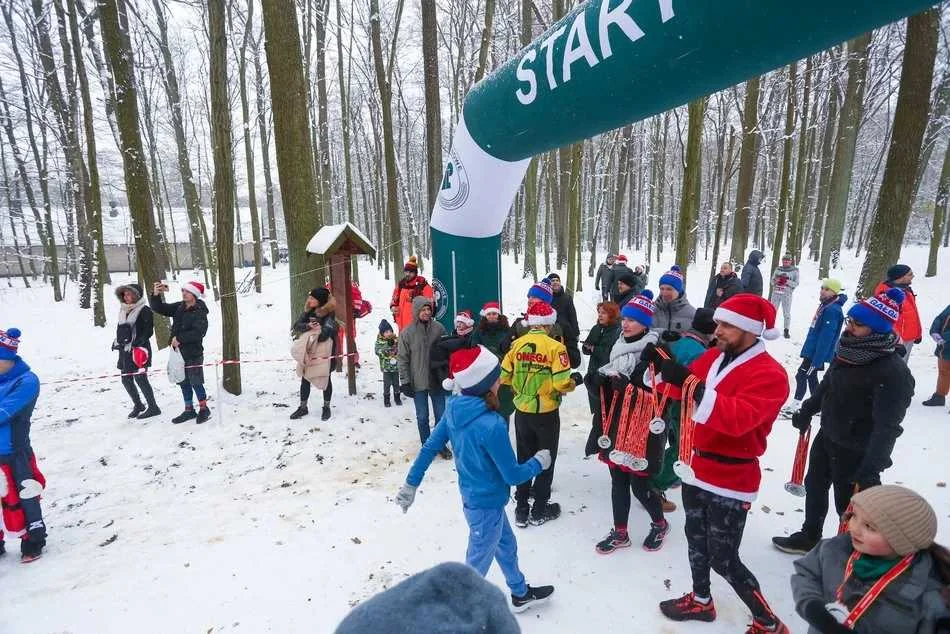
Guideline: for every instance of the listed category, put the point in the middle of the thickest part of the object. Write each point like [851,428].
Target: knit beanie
[384,327]
[787,256]
[320,294]
[879,312]
[703,321]
[897,271]
[553,276]
[542,291]
[473,371]
[903,517]
[412,265]
[674,278]
[640,308]
[832,284]
[628,278]
[541,314]
[9,344]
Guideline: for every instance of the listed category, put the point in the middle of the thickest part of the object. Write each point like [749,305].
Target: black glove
[618,382]
[578,378]
[864,482]
[674,372]
[815,613]
[670,336]
[407,391]
[801,421]
[918,339]
[655,355]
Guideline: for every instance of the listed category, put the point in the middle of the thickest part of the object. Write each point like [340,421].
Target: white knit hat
[472,371]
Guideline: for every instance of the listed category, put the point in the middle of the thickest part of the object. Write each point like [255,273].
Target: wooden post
[342,290]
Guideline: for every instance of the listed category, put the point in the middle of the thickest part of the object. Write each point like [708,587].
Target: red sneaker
[775,628]
[687,608]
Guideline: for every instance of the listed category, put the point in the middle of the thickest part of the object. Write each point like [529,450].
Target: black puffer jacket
[189,325]
[142,332]
[862,407]
[442,348]
[730,286]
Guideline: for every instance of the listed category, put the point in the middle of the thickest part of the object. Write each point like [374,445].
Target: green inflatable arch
[605,64]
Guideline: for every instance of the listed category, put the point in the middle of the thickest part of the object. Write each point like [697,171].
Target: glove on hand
[544,457]
[578,378]
[407,391]
[655,355]
[406,496]
[816,614]
[619,382]
[674,372]
[801,421]
[938,339]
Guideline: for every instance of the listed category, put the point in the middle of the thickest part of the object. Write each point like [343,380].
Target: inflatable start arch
[605,64]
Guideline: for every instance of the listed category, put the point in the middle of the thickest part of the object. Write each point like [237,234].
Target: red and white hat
[621,259]
[541,314]
[9,343]
[489,308]
[472,371]
[465,317]
[195,288]
[750,313]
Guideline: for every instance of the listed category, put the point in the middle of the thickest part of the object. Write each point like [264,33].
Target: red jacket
[734,418]
[908,326]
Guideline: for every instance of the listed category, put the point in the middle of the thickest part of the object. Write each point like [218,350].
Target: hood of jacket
[326,309]
[418,304]
[135,288]
[755,257]
[841,299]
[462,410]
[19,368]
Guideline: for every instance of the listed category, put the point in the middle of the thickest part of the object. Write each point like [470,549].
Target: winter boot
[668,507]
[521,516]
[325,412]
[786,335]
[186,415]
[776,627]
[545,513]
[150,412]
[937,400]
[614,541]
[654,539]
[688,608]
[300,412]
[446,453]
[799,543]
[386,401]
[137,409]
[203,415]
[3,549]
[31,549]
[533,596]
[397,398]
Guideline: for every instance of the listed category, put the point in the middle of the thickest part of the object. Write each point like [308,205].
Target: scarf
[869,568]
[821,308]
[863,350]
[129,314]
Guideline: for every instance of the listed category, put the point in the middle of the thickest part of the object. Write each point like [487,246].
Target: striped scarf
[863,350]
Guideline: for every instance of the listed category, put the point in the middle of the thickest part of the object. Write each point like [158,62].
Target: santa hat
[412,265]
[195,288]
[674,278]
[640,308]
[879,313]
[542,290]
[750,313]
[9,343]
[541,314]
[472,371]
[465,318]
[621,259]
[489,308]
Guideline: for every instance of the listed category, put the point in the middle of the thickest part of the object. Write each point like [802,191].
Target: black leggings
[305,390]
[129,383]
[622,482]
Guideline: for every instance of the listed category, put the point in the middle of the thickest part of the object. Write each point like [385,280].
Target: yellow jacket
[539,372]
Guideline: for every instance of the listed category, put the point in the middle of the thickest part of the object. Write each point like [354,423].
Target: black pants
[621,483]
[305,390]
[391,381]
[534,432]
[830,466]
[806,375]
[714,527]
[129,383]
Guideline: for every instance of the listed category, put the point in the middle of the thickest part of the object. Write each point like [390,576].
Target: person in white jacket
[784,282]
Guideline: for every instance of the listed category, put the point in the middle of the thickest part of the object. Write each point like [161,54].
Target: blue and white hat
[640,308]
[880,312]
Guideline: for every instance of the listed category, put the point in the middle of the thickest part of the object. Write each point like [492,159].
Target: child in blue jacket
[486,465]
[822,339]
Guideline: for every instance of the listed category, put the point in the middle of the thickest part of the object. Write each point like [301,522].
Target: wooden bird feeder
[338,244]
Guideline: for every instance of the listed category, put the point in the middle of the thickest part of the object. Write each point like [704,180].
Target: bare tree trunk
[345,123]
[940,214]
[14,207]
[485,46]
[265,155]
[910,120]
[620,189]
[433,98]
[797,222]
[747,164]
[323,129]
[723,197]
[827,161]
[692,175]
[785,193]
[574,212]
[248,147]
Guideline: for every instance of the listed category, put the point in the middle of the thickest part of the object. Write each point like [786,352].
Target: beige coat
[313,358]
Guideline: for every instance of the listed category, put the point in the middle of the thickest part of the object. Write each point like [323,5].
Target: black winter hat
[897,271]
[703,321]
[322,295]
[384,326]
[554,276]
[628,278]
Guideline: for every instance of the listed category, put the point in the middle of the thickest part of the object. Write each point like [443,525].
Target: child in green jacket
[386,349]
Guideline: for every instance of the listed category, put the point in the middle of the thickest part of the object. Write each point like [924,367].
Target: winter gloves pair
[661,359]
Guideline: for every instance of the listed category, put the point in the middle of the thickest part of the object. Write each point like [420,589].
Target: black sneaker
[614,541]
[325,413]
[787,336]
[203,414]
[397,399]
[545,513]
[186,415]
[31,550]
[138,409]
[386,401]
[150,412]
[521,516]
[799,543]
[533,596]
[937,400]
[300,412]
[654,539]
[446,453]
[3,549]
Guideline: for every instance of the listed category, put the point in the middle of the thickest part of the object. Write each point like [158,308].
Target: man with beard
[908,327]
[862,400]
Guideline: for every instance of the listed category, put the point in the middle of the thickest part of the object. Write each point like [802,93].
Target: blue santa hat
[674,278]
[640,308]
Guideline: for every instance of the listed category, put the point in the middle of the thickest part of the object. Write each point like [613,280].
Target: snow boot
[654,539]
[786,335]
[203,415]
[776,627]
[937,400]
[668,507]
[446,453]
[521,516]
[614,541]
[3,549]
[31,550]
[799,543]
[397,398]
[325,412]
[150,412]
[688,608]
[386,401]
[533,596]
[186,415]
[137,409]
[545,513]
[300,412]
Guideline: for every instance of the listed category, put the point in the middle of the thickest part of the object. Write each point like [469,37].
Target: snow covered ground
[255,523]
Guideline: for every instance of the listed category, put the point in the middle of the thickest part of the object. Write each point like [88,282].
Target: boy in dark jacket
[862,400]
[189,326]
[387,349]
[821,341]
[605,276]
[940,333]
[751,275]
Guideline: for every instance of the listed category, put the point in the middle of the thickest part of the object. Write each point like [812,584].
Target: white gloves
[544,457]
[936,337]
[406,496]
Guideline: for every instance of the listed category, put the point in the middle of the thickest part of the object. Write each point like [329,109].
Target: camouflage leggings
[714,526]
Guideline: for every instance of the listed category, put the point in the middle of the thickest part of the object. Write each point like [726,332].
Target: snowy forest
[151,124]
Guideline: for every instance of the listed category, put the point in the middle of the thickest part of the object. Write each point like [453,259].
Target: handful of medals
[639,417]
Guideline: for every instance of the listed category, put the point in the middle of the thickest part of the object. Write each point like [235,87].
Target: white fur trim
[705,408]
[484,363]
[771,334]
[462,319]
[489,311]
[748,324]
[745,496]
[543,320]
[448,385]
[191,288]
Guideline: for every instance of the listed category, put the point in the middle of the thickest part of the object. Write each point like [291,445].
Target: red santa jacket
[734,419]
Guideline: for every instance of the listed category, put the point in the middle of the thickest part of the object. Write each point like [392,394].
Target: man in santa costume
[740,392]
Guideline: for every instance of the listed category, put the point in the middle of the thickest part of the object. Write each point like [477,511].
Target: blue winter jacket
[941,326]
[485,462]
[822,339]
[19,389]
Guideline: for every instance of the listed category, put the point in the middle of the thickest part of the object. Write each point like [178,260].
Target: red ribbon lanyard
[658,406]
[865,602]
[605,421]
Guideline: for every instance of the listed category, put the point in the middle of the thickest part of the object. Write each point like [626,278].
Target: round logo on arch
[441,297]
[455,186]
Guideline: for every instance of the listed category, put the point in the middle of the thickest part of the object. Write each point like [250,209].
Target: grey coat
[676,316]
[415,342]
[911,604]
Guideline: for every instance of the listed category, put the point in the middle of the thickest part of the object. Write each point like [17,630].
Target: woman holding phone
[318,316]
